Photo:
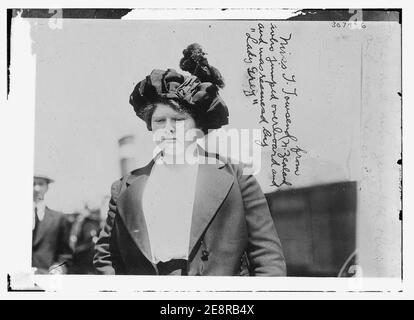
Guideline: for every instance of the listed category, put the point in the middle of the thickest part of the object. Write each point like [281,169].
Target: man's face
[40,187]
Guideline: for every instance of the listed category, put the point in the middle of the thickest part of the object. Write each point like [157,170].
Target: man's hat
[44,177]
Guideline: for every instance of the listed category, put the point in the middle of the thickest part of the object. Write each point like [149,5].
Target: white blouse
[168,206]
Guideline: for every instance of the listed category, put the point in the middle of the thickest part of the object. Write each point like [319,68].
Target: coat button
[204,255]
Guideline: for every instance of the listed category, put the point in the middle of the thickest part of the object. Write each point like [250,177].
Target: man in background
[50,247]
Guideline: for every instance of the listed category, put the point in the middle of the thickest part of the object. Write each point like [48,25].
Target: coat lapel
[43,226]
[130,209]
[212,187]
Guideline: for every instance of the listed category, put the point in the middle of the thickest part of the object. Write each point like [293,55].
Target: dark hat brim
[44,177]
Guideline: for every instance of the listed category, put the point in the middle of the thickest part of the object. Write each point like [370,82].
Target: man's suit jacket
[230,217]
[50,242]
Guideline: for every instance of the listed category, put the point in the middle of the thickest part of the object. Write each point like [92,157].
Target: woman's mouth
[169,139]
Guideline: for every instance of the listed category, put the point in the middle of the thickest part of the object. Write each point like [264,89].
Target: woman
[187,212]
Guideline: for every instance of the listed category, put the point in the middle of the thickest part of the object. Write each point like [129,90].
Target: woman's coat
[231,220]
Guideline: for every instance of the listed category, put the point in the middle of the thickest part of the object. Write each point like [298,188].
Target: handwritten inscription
[271,87]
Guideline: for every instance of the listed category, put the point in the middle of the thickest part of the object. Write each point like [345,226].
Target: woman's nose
[169,126]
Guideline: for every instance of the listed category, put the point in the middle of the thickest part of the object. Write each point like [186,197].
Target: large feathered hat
[197,93]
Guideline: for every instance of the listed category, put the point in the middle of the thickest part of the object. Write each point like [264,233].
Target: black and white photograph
[206,149]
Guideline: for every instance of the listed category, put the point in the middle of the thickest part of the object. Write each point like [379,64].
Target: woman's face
[172,129]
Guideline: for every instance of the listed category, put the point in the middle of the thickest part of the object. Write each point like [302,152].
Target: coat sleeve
[107,259]
[264,249]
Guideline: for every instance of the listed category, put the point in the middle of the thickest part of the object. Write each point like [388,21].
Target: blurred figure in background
[85,229]
[50,246]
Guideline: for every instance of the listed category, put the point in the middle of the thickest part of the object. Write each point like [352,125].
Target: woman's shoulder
[128,178]
[231,165]
[116,187]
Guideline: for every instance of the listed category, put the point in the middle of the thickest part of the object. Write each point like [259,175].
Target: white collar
[41,206]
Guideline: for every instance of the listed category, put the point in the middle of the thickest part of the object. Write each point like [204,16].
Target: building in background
[317,228]
[127,154]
